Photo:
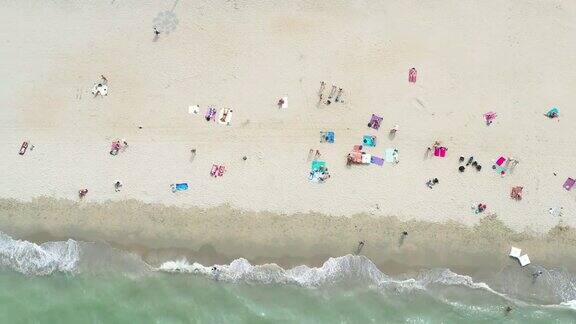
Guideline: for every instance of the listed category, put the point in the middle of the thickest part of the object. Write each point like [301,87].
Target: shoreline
[219,235]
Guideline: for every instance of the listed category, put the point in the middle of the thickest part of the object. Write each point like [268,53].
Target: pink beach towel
[440,151]
[500,160]
[569,184]
[412,74]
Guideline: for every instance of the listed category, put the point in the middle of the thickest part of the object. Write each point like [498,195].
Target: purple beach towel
[377,160]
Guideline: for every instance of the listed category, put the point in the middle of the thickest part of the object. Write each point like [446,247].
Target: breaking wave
[34,259]
[72,257]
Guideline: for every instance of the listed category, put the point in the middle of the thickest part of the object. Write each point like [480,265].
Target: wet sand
[222,234]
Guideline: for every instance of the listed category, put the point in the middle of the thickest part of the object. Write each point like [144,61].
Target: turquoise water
[78,282]
[176,298]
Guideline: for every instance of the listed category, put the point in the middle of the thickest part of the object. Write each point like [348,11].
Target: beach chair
[569,183]
[23,148]
[369,140]
[412,75]
[375,122]
[377,160]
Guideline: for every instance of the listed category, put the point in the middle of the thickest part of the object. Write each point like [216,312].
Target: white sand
[516,58]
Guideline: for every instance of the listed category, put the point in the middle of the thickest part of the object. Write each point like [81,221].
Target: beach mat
[316,165]
[377,160]
[569,183]
[369,140]
[390,155]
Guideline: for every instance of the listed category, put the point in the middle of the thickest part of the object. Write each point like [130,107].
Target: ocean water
[78,282]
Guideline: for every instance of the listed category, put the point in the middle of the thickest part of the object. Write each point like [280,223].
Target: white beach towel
[228,118]
[524,260]
[515,252]
[195,109]
[366,158]
[285,103]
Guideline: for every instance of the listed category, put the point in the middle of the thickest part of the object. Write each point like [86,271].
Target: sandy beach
[471,57]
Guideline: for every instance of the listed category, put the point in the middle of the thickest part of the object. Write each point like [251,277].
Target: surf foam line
[34,259]
[334,270]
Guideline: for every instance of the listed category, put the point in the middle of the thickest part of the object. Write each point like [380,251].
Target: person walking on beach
[156,34]
[118,186]
[359,248]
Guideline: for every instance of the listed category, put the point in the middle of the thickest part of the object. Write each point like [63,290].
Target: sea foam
[33,259]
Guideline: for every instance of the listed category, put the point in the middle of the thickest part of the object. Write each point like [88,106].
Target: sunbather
[338,95]
[82,193]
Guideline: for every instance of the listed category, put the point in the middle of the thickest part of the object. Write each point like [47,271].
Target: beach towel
[489,117]
[179,187]
[366,158]
[355,157]
[391,155]
[217,170]
[524,260]
[210,114]
[369,140]
[284,103]
[316,165]
[440,151]
[412,74]
[195,109]
[327,137]
[225,116]
[500,161]
[569,184]
[515,252]
[23,148]
[377,160]
[375,122]
[330,137]
[554,112]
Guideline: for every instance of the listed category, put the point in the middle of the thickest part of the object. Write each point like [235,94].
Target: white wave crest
[33,259]
[334,270]
[570,304]
[240,270]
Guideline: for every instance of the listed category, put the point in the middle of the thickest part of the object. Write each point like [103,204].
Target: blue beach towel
[179,187]
[329,137]
[369,140]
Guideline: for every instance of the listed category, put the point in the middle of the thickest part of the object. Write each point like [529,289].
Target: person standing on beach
[359,248]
